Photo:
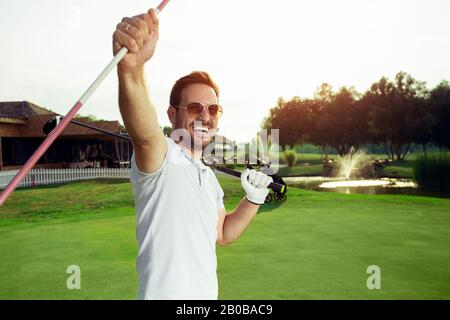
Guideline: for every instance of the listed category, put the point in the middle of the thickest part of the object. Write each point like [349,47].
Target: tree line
[395,114]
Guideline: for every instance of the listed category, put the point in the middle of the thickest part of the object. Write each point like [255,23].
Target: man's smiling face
[202,127]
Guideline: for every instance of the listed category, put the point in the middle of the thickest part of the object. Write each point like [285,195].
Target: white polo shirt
[176,228]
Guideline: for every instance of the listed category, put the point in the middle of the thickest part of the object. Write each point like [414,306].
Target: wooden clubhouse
[21,124]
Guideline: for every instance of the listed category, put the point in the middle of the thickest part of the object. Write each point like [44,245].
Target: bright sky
[257,50]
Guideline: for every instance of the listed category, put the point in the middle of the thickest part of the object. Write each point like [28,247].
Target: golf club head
[51,124]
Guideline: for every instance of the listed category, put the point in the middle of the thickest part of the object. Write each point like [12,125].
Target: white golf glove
[255,185]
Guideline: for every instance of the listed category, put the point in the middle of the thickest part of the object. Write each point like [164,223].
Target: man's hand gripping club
[255,185]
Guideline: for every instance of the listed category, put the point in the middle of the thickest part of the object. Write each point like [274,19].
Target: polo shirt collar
[198,162]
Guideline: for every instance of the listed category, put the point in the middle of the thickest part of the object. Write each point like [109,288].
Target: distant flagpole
[66,120]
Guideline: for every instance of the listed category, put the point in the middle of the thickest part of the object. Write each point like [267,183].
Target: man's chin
[201,143]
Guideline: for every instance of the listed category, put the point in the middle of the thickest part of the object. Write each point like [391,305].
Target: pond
[365,186]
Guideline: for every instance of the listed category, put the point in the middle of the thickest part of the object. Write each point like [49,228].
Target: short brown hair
[196,77]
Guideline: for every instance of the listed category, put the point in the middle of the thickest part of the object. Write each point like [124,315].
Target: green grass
[307,164]
[301,170]
[398,170]
[316,245]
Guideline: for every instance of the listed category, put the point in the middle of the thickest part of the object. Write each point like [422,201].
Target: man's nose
[204,116]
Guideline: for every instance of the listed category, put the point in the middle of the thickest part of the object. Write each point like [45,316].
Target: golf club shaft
[114,134]
[64,122]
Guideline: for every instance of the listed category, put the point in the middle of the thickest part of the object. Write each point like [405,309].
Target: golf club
[51,124]
[66,120]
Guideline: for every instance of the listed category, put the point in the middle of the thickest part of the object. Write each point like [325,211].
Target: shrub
[433,172]
[290,157]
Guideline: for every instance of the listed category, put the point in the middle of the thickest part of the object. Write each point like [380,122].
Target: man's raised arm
[139,34]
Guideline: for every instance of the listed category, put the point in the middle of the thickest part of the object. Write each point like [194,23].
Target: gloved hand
[255,185]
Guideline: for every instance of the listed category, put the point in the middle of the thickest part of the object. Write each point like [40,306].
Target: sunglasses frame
[219,112]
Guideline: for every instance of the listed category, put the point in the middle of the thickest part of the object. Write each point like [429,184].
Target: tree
[318,133]
[392,116]
[338,120]
[423,124]
[440,105]
[267,121]
[347,133]
[291,118]
[324,94]
[167,130]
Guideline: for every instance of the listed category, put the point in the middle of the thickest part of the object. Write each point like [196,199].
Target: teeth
[202,129]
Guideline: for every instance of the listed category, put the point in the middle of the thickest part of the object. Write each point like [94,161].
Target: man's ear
[171,113]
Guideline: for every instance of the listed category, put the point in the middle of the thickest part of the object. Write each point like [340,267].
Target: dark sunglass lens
[214,110]
[194,108]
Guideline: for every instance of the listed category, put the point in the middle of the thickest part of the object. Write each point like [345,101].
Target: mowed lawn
[316,245]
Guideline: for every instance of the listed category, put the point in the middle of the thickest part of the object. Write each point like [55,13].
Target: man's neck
[193,153]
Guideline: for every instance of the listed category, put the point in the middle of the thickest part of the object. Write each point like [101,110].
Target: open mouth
[203,130]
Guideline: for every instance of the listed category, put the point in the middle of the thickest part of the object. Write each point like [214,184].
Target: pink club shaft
[65,121]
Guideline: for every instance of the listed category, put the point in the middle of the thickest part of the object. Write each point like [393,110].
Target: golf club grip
[277,187]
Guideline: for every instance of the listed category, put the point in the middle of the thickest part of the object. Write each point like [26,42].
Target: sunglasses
[196,108]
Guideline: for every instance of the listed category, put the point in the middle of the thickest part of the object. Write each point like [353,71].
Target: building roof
[21,109]
[25,119]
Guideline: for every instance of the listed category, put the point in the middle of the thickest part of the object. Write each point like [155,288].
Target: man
[180,214]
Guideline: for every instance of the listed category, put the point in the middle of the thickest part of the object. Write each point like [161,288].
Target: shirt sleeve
[139,178]
[220,204]
[220,195]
